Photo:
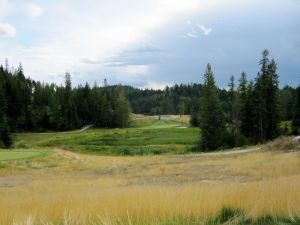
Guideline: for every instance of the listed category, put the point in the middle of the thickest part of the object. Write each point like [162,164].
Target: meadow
[88,178]
[147,135]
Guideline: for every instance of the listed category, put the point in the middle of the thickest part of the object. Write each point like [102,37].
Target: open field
[148,135]
[65,187]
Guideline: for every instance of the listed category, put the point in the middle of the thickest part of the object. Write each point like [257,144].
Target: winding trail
[229,152]
[83,129]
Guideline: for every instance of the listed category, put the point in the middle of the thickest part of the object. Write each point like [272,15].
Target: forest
[250,111]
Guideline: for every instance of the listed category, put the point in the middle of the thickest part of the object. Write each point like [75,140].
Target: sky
[149,43]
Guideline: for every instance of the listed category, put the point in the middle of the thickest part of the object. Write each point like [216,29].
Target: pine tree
[5,133]
[69,108]
[5,136]
[243,95]
[266,112]
[233,107]
[273,111]
[121,108]
[212,120]
[296,116]
[260,96]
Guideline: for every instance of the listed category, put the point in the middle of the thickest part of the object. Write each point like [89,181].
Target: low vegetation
[256,186]
[285,143]
[147,136]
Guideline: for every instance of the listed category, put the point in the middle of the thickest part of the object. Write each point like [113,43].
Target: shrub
[284,143]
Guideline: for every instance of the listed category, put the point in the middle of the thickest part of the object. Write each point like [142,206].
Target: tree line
[246,112]
[254,108]
[184,99]
[27,105]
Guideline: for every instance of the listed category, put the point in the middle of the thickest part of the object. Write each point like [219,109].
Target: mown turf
[145,137]
[14,155]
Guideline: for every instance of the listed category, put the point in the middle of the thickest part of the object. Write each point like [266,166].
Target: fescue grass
[166,189]
[67,188]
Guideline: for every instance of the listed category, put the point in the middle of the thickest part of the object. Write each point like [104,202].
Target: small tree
[212,122]
[5,135]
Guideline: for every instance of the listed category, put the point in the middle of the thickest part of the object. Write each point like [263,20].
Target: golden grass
[82,189]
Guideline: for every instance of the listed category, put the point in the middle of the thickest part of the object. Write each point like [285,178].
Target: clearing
[65,186]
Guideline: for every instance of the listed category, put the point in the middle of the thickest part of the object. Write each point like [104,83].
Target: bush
[284,143]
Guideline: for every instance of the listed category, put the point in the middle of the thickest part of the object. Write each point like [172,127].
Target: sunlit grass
[63,187]
[84,189]
[146,137]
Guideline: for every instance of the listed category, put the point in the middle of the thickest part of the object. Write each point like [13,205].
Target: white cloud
[7,30]
[156,85]
[191,35]
[206,30]
[34,11]
[5,8]
[99,30]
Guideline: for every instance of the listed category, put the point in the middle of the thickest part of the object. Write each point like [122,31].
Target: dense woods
[248,111]
[27,105]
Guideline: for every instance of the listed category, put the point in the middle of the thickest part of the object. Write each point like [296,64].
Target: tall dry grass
[86,201]
[84,190]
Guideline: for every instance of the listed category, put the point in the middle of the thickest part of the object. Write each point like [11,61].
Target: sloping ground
[77,189]
[146,136]
[64,187]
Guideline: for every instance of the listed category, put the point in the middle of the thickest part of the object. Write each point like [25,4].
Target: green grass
[231,216]
[14,155]
[144,137]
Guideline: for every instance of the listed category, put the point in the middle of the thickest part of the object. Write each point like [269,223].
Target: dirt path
[84,128]
[229,152]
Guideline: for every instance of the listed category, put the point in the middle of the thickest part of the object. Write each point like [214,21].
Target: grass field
[147,136]
[13,155]
[66,187]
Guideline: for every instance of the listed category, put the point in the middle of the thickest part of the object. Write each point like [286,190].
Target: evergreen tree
[212,120]
[5,133]
[243,95]
[273,104]
[69,109]
[121,108]
[233,107]
[287,100]
[266,110]
[296,116]
[5,136]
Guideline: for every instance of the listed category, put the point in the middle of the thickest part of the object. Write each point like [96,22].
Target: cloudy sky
[149,43]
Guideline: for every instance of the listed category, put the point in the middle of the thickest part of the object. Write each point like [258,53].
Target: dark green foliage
[287,100]
[5,135]
[226,216]
[259,105]
[296,115]
[212,121]
[26,105]
[234,216]
[266,100]
[179,99]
